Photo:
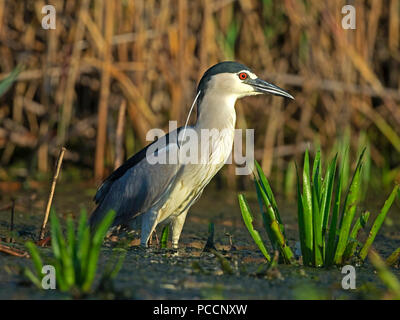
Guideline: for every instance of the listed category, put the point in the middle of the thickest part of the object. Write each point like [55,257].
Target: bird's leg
[149,223]
[177,225]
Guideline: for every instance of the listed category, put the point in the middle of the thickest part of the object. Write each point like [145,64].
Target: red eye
[243,76]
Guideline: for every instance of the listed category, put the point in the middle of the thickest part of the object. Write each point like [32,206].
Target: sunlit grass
[327,210]
[75,256]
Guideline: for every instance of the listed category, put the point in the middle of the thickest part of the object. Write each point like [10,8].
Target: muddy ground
[189,273]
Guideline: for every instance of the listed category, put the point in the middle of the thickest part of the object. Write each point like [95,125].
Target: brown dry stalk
[274,123]
[104,94]
[72,75]
[53,187]
[160,51]
[130,91]
[119,136]
[13,251]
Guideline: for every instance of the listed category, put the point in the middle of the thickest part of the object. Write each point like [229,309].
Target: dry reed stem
[119,136]
[130,91]
[160,51]
[104,94]
[13,251]
[53,187]
[72,75]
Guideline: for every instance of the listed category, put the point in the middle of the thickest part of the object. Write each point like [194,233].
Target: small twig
[11,239]
[232,247]
[6,207]
[53,187]
[157,240]
[13,251]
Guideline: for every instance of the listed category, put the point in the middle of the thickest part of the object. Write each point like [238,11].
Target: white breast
[217,113]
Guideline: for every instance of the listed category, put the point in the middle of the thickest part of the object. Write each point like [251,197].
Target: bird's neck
[216,112]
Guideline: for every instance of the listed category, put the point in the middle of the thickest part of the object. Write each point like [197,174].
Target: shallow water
[189,273]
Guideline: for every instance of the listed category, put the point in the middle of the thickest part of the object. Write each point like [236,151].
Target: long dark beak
[266,87]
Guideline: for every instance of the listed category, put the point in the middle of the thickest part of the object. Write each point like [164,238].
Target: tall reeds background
[112,70]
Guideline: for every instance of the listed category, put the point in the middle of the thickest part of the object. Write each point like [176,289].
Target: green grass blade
[344,150]
[317,218]
[360,223]
[326,200]
[276,235]
[120,261]
[248,220]
[54,227]
[264,214]
[350,205]
[290,181]
[268,214]
[210,239]
[326,197]
[268,190]
[93,255]
[362,142]
[393,258]
[271,214]
[387,277]
[71,242]
[35,280]
[285,250]
[316,174]
[352,243]
[331,246]
[59,246]
[318,244]
[37,261]
[378,223]
[82,225]
[61,284]
[82,247]
[307,207]
[300,218]
[164,237]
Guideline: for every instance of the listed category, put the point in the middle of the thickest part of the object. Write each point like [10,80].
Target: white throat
[217,111]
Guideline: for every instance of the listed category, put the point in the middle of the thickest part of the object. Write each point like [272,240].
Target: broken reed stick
[53,187]
[119,150]
[13,251]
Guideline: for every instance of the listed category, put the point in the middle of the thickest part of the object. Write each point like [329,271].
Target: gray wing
[138,184]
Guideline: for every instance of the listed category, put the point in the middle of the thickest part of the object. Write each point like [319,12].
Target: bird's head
[236,80]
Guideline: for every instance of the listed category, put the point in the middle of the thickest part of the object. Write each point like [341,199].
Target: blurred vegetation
[112,70]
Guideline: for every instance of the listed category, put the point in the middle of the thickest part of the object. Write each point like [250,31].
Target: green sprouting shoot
[164,237]
[378,223]
[75,255]
[327,233]
[248,220]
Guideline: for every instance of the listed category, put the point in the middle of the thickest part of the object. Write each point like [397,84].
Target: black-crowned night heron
[162,192]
